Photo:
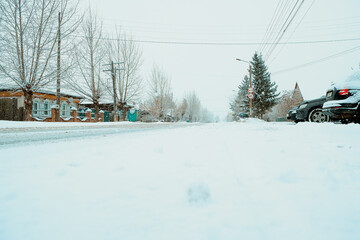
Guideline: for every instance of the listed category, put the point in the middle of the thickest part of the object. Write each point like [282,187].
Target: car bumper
[291,116]
[341,113]
[301,115]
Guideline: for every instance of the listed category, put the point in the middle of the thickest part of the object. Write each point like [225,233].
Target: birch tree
[193,107]
[28,36]
[68,22]
[181,110]
[128,55]
[89,57]
[161,98]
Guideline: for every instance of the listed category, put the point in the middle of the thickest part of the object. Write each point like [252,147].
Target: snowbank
[249,180]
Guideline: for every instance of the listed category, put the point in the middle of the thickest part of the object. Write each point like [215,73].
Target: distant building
[288,100]
[296,97]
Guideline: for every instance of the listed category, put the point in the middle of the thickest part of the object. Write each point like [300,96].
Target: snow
[352,82]
[22,124]
[240,180]
[337,103]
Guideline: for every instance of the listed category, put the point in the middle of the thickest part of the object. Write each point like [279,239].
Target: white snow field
[241,180]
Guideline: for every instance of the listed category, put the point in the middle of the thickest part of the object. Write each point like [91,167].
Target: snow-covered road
[44,132]
[247,180]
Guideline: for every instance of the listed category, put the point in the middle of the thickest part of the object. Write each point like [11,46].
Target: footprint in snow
[198,194]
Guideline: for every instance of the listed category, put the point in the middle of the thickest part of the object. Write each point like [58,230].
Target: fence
[9,110]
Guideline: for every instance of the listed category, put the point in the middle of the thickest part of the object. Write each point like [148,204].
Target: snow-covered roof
[107,100]
[102,101]
[44,92]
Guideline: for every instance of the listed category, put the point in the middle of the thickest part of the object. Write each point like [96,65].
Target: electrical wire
[227,43]
[297,26]
[285,8]
[317,61]
[281,23]
[240,33]
[287,23]
[268,30]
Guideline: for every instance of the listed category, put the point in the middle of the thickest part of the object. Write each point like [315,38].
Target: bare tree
[193,107]
[288,100]
[89,56]
[68,22]
[161,97]
[285,104]
[181,111]
[128,81]
[28,38]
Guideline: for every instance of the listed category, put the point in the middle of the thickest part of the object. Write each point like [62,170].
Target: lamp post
[250,87]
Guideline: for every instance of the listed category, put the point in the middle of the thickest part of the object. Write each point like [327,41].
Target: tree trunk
[124,111]
[57,117]
[28,104]
[96,105]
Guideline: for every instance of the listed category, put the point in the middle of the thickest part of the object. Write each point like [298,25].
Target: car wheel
[318,116]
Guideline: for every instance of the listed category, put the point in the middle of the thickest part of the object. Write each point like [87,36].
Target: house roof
[43,92]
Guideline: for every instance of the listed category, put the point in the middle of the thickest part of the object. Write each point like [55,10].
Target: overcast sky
[320,29]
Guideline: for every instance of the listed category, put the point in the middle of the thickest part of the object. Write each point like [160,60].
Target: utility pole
[251,103]
[114,88]
[113,76]
[57,117]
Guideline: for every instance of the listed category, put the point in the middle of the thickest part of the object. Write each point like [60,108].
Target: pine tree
[265,91]
[241,102]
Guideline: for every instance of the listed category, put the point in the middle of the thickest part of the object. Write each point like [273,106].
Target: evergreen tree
[241,102]
[265,91]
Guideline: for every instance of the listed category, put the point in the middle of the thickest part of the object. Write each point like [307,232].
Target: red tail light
[344,91]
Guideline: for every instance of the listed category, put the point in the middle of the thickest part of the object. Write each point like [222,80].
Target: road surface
[26,135]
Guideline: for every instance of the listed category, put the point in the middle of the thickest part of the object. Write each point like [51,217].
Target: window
[65,110]
[46,108]
[36,105]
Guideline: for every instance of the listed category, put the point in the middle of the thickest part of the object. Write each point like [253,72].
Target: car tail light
[343,92]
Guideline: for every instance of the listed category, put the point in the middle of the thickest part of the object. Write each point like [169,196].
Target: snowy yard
[241,180]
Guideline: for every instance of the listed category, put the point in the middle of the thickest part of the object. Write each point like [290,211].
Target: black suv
[309,111]
[343,100]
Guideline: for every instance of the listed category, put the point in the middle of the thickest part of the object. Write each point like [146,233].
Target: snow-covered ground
[242,180]
[18,133]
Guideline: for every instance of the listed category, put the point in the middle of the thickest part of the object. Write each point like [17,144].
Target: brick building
[12,106]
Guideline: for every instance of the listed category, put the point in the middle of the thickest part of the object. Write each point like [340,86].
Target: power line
[240,33]
[237,30]
[281,14]
[283,29]
[228,43]
[268,30]
[297,26]
[317,61]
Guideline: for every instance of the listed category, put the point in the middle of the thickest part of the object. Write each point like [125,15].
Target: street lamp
[250,87]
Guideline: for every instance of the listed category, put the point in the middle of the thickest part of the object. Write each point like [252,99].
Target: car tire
[317,115]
